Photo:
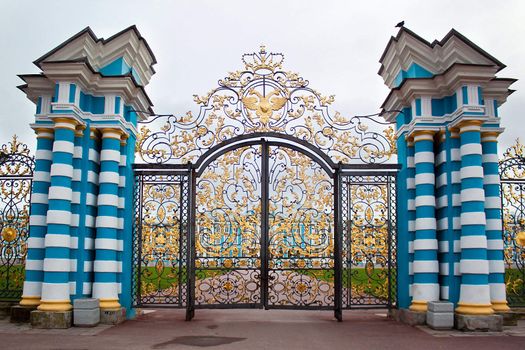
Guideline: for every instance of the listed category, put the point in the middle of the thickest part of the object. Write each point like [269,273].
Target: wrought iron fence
[16,176]
[512,175]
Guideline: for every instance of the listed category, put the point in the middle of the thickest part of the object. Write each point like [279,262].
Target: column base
[419,306]
[112,316]
[500,306]
[479,323]
[474,309]
[412,318]
[30,301]
[55,305]
[21,313]
[51,319]
[109,304]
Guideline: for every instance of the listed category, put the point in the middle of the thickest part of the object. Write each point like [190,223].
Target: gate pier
[451,100]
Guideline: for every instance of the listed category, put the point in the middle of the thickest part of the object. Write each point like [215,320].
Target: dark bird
[400,24]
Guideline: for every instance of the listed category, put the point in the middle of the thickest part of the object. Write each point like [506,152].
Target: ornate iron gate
[16,176]
[512,176]
[287,205]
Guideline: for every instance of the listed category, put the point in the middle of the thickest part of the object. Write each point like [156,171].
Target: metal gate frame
[341,173]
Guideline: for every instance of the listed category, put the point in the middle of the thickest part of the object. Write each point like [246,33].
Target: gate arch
[274,115]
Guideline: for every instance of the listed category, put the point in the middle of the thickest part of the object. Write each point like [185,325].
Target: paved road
[255,329]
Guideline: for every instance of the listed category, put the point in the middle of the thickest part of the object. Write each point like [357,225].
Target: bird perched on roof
[400,24]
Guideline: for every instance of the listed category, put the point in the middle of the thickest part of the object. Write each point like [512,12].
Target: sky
[336,45]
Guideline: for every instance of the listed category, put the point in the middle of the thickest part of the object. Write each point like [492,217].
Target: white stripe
[43,154]
[443,246]
[490,158]
[473,218]
[411,204]
[470,148]
[444,292]
[455,154]
[473,242]
[425,291]
[474,294]
[40,198]
[94,156]
[472,195]
[441,157]
[86,288]
[123,160]
[91,199]
[75,198]
[456,200]
[122,181]
[492,202]
[411,225]
[411,183]
[456,223]
[425,178]
[496,266]
[457,269]
[42,176]
[77,174]
[410,247]
[56,240]
[74,220]
[107,221]
[443,269]
[441,180]
[457,246]
[107,266]
[59,192]
[63,146]
[55,291]
[59,169]
[59,217]
[455,177]
[491,180]
[32,288]
[35,243]
[426,266]
[57,265]
[89,243]
[471,171]
[425,201]
[122,201]
[73,243]
[497,291]
[88,266]
[107,199]
[120,223]
[493,225]
[442,224]
[474,266]
[77,153]
[92,177]
[442,202]
[35,265]
[425,224]
[410,162]
[90,221]
[425,244]
[72,288]
[106,243]
[411,268]
[424,157]
[105,290]
[110,155]
[108,177]
[495,244]
[37,220]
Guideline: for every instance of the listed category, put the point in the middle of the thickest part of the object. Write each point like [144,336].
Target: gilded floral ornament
[264,98]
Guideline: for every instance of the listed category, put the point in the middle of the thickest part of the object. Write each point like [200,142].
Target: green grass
[11,282]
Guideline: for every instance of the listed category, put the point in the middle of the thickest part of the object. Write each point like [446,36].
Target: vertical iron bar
[190,305]
[264,221]
[338,312]
[389,233]
[181,235]
[138,262]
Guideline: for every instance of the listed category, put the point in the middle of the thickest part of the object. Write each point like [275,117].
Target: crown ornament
[263,62]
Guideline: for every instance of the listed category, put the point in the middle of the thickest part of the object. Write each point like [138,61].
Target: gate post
[81,220]
[449,89]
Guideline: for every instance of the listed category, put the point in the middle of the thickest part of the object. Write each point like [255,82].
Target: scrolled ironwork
[16,174]
[512,177]
[263,97]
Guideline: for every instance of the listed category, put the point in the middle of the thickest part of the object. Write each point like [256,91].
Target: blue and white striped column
[34,268]
[442,207]
[75,207]
[426,269]
[491,184]
[121,206]
[57,263]
[474,291]
[107,266]
[91,211]
[411,195]
[454,243]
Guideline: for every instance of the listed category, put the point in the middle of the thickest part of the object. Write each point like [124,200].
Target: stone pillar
[121,204]
[442,232]
[107,266]
[426,286]
[57,262]
[474,291]
[491,185]
[411,206]
[37,221]
[454,243]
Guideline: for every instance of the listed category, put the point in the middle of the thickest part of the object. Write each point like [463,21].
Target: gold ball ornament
[520,238]
[9,234]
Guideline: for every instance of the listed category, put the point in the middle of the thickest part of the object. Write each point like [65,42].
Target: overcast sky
[336,45]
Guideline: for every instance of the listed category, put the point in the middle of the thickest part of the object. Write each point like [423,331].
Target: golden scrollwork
[264,98]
